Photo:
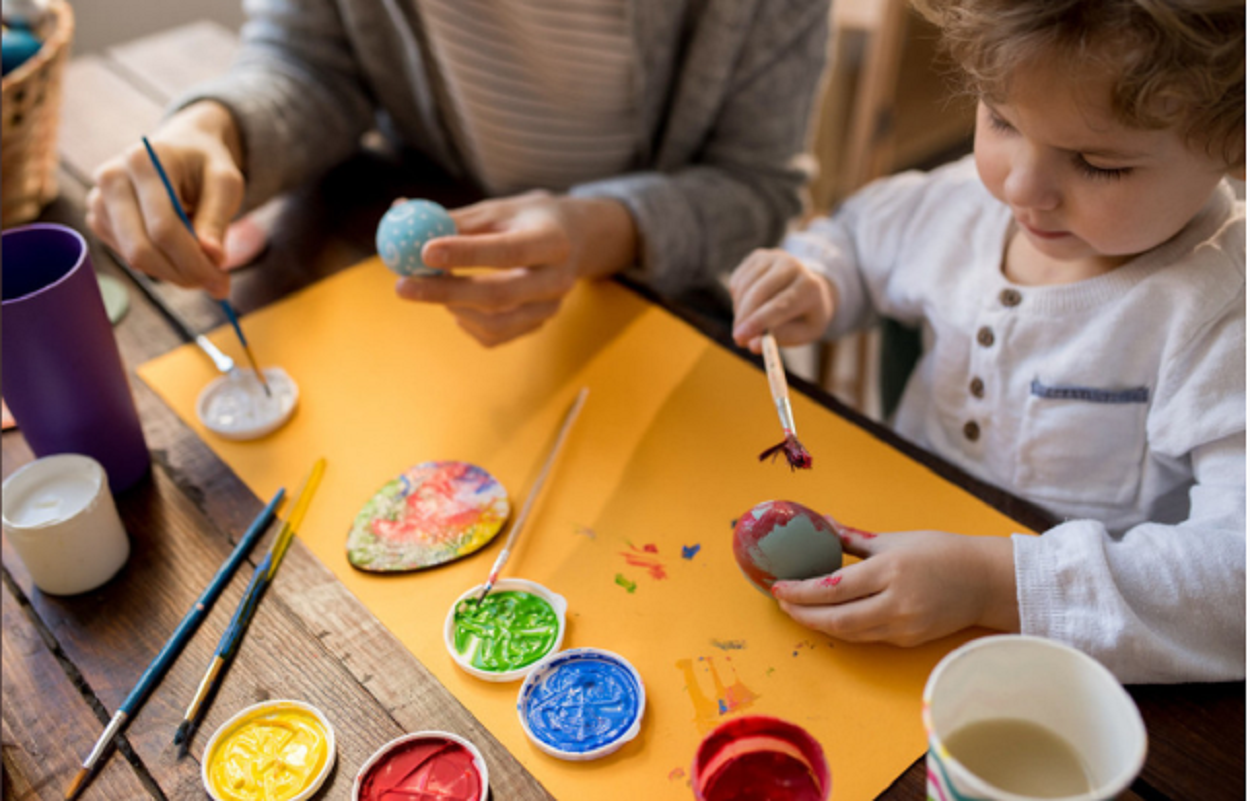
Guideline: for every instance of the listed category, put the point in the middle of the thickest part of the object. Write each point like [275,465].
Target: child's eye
[998,123]
[1099,173]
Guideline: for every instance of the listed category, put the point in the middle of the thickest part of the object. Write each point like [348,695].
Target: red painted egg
[778,540]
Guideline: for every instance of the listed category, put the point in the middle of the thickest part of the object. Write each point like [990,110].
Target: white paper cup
[1040,682]
[557,602]
[60,516]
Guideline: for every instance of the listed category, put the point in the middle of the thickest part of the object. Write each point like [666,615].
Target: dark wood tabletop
[68,662]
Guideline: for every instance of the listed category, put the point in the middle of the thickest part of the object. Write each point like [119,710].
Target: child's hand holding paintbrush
[776,298]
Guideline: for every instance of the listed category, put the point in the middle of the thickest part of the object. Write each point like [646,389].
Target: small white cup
[1040,682]
[60,516]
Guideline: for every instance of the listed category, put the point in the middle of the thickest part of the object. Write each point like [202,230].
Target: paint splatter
[804,645]
[729,645]
[733,523]
[831,581]
[642,557]
[676,773]
[725,698]
[688,551]
[769,672]
[585,531]
[629,586]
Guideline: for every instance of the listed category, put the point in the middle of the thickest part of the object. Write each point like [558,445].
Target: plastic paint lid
[289,766]
[235,405]
[444,764]
[531,646]
[582,704]
[757,756]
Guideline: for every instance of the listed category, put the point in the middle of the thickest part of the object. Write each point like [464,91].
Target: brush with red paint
[796,455]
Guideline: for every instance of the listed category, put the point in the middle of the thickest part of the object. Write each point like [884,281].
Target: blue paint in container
[582,704]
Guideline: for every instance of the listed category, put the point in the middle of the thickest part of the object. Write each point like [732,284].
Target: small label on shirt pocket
[1082,444]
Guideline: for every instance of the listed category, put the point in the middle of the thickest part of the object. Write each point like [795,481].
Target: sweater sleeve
[294,91]
[1162,603]
[744,184]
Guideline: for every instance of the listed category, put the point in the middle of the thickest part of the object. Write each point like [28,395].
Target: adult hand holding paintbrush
[779,300]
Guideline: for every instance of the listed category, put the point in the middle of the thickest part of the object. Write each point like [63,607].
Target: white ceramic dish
[235,405]
[557,601]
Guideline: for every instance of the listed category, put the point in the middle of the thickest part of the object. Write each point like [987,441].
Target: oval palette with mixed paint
[785,540]
[508,632]
[272,751]
[424,764]
[581,704]
[433,513]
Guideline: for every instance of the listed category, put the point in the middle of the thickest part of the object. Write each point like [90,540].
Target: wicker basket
[31,116]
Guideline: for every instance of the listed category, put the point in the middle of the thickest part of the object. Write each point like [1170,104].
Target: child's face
[1082,186]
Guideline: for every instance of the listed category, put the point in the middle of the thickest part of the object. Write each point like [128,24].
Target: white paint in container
[60,517]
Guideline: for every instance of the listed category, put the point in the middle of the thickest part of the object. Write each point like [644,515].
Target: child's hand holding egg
[405,229]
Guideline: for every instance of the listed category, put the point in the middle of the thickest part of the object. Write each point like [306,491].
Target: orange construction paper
[663,456]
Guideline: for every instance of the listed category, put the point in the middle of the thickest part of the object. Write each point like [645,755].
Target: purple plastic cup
[62,373]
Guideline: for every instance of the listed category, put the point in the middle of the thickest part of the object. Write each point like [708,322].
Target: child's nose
[1031,182]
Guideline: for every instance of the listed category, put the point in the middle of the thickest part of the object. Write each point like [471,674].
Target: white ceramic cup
[60,517]
[1041,682]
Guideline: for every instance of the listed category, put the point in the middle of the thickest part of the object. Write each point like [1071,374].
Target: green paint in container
[510,631]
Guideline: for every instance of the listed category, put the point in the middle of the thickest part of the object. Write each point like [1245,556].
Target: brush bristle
[76,784]
[181,735]
[796,455]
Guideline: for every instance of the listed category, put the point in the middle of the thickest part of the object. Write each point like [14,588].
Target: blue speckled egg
[18,46]
[405,229]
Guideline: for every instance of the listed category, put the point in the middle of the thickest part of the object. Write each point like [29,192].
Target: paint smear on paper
[629,586]
[726,697]
[688,551]
[585,531]
[645,558]
[729,645]
[676,773]
[433,513]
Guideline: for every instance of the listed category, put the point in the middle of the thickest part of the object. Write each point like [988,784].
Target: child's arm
[774,291]
[911,587]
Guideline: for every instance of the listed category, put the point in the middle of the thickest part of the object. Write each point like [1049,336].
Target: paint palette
[582,704]
[511,631]
[236,406]
[778,540]
[424,764]
[281,750]
[431,514]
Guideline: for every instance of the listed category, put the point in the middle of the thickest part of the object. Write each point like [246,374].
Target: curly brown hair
[1173,63]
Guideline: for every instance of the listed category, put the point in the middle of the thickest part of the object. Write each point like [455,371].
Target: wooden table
[69,662]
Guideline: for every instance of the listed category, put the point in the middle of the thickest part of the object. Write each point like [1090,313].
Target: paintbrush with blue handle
[156,670]
[262,577]
[225,304]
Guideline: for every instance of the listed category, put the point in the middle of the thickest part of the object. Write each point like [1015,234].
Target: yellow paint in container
[273,751]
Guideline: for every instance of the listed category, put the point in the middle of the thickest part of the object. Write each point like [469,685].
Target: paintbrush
[156,670]
[225,304]
[796,454]
[262,577]
[519,523]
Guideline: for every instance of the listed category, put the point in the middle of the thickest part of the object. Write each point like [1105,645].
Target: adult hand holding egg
[535,247]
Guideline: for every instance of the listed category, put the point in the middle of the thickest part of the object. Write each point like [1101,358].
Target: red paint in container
[423,766]
[760,758]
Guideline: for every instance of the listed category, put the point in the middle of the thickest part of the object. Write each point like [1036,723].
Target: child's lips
[1044,234]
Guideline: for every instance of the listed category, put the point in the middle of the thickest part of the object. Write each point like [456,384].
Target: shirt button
[972,431]
[977,388]
[985,337]
[1009,297]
